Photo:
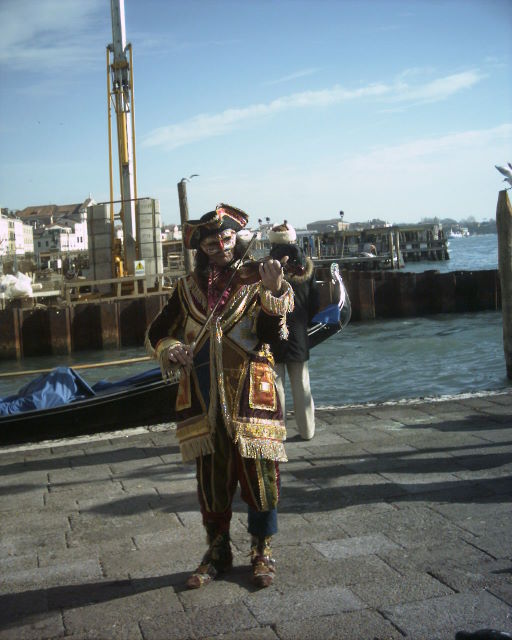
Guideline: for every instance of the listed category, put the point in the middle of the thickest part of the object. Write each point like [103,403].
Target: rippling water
[473,253]
[372,361]
[386,360]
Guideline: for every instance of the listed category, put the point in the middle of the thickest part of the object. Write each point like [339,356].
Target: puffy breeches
[218,475]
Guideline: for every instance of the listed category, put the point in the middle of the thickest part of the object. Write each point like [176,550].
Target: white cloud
[206,125]
[47,34]
[209,125]
[292,76]
[439,89]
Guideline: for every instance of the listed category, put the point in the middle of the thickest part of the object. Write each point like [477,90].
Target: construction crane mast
[120,98]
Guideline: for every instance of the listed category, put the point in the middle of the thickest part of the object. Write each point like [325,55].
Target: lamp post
[182,196]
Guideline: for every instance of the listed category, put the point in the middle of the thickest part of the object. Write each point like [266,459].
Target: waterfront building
[16,238]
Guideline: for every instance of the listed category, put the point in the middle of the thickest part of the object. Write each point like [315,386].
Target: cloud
[439,89]
[48,34]
[292,76]
[205,126]
[402,155]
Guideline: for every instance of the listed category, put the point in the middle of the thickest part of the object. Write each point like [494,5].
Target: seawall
[26,332]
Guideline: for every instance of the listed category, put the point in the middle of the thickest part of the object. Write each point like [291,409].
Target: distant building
[324,226]
[45,215]
[16,238]
[171,232]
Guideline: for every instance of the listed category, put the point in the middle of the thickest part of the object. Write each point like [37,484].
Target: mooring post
[504,227]
[182,197]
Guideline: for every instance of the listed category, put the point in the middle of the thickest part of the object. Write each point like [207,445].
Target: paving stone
[294,529]
[257,633]
[430,543]
[436,554]
[273,607]
[41,520]
[89,528]
[477,517]
[363,625]
[118,617]
[87,489]
[177,626]
[39,626]
[50,556]
[18,563]
[379,594]
[441,618]
[497,544]
[169,537]
[345,515]
[31,499]
[53,575]
[221,619]
[22,543]
[229,589]
[118,505]
[355,546]
[77,475]
[476,578]
[407,527]
[306,567]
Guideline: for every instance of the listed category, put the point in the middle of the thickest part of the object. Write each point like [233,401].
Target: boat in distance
[141,400]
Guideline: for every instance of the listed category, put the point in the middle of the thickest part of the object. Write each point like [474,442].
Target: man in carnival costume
[231,422]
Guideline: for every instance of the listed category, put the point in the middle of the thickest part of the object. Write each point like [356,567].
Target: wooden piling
[10,342]
[60,330]
[504,227]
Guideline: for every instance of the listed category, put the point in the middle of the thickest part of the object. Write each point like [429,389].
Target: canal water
[375,361]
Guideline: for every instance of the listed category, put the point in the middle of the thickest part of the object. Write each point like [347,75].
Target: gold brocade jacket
[233,376]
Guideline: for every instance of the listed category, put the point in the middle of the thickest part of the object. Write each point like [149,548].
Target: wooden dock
[115,322]
[379,247]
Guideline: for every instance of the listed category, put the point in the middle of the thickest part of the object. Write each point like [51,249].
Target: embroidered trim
[170,370]
[194,438]
[262,389]
[259,428]
[277,305]
[266,449]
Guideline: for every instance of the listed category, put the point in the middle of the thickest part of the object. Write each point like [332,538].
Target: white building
[172,232]
[16,238]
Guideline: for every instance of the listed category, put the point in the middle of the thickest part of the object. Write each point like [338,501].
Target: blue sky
[288,109]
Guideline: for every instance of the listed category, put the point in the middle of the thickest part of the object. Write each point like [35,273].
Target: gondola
[143,399]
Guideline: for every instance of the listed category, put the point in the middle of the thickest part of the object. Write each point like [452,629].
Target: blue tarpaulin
[63,385]
[48,390]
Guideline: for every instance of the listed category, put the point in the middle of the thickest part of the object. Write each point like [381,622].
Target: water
[381,360]
[473,253]
[386,360]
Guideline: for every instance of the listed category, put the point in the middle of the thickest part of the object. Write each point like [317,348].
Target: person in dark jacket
[292,355]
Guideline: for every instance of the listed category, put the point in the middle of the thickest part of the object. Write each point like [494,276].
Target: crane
[120,98]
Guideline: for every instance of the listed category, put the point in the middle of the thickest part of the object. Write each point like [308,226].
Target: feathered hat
[224,217]
[282,234]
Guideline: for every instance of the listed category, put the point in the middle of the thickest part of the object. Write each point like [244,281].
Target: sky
[289,109]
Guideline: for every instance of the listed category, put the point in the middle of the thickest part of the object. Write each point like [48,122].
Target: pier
[74,323]
[378,247]
[394,521]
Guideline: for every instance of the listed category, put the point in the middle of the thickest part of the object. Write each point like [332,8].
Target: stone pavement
[395,522]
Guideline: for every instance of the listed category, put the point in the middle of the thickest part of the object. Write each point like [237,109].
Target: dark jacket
[306,292]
